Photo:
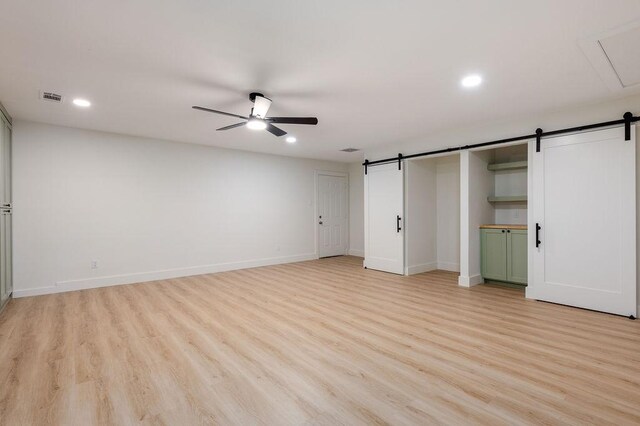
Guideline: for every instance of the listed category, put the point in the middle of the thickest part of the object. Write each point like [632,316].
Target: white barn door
[384,203]
[584,201]
[333,215]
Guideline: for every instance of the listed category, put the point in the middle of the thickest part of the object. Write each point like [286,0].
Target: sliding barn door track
[626,121]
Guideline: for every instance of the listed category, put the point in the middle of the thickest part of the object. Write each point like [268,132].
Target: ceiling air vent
[51,97]
[350,150]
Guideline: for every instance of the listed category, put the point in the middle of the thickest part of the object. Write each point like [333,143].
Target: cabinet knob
[503,231]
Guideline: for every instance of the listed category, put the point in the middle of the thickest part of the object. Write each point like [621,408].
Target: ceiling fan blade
[233,126]
[275,130]
[294,120]
[220,112]
[261,106]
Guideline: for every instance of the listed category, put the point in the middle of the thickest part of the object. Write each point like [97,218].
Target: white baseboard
[354,252]
[449,266]
[469,281]
[139,277]
[419,269]
[529,293]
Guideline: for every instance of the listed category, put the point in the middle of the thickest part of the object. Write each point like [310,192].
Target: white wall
[356,209]
[448,212]
[150,209]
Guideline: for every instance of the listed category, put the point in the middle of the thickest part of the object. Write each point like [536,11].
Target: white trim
[531,223]
[464,214]
[354,252]
[449,266]
[139,277]
[470,281]
[315,206]
[419,269]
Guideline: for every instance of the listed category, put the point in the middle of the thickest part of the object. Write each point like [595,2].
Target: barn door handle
[538,228]
[398,228]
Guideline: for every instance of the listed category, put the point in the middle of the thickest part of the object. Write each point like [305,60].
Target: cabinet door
[517,256]
[493,249]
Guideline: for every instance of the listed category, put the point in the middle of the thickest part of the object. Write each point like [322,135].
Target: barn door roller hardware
[627,125]
[627,120]
[538,138]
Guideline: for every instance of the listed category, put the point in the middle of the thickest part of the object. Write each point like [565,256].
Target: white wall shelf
[514,165]
[508,199]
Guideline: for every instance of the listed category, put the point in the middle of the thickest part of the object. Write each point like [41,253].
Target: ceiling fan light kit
[258,120]
[256,124]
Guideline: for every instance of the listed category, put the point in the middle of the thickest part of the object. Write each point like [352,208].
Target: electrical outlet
[94,264]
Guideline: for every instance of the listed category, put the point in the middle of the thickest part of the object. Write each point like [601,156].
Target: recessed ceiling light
[473,80]
[291,139]
[256,124]
[81,102]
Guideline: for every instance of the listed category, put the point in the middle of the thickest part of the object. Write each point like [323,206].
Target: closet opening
[500,208]
[432,214]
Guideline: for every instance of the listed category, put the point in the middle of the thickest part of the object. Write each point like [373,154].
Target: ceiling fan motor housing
[261,105]
[253,95]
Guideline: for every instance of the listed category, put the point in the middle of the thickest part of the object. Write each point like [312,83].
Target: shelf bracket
[366,166]
[399,161]
[538,137]
[627,125]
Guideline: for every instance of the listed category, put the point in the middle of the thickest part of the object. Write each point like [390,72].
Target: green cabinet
[493,246]
[517,256]
[504,255]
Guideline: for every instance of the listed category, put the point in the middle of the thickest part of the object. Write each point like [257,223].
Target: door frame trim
[316,207]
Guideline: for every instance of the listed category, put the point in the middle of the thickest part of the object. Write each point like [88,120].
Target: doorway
[333,214]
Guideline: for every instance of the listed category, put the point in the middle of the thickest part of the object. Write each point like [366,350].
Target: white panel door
[584,200]
[332,215]
[384,203]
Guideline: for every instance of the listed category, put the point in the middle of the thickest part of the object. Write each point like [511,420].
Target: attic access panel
[615,56]
[623,51]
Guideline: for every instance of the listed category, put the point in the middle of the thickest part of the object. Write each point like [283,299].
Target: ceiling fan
[258,120]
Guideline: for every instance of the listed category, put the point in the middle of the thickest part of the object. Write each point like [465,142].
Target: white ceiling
[373,72]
